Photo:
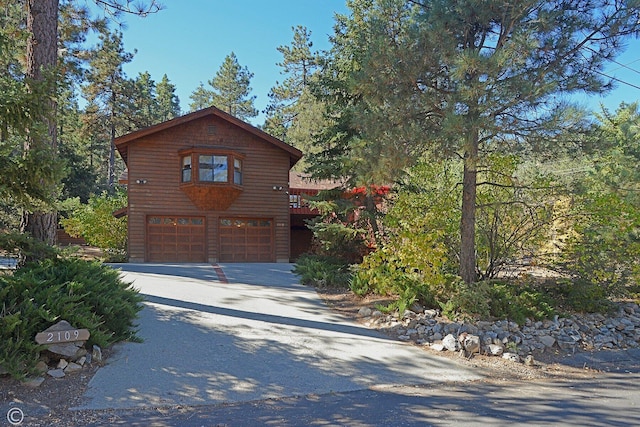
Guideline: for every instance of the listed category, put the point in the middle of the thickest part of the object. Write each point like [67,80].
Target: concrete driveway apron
[256,335]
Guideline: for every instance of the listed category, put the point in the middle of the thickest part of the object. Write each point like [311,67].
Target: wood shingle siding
[154,188]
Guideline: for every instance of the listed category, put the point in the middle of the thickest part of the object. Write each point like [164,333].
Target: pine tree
[20,101]
[80,180]
[463,79]
[42,26]
[143,101]
[294,114]
[41,66]
[168,101]
[108,92]
[230,90]
[201,98]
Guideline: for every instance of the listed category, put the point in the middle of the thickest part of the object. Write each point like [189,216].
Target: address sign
[70,335]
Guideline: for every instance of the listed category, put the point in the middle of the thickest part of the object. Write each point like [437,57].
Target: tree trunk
[112,154]
[468,220]
[42,25]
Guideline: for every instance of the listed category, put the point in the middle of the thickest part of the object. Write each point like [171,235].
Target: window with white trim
[210,166]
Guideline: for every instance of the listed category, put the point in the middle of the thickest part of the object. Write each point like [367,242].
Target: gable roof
[300,180]
[123,141]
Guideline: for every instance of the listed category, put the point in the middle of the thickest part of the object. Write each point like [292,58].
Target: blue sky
[189,40]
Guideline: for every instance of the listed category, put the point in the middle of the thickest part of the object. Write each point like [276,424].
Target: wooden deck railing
[298,203]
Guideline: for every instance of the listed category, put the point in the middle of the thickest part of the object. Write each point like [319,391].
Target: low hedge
[87,294]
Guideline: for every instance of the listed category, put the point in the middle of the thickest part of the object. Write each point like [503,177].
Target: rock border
[507,339]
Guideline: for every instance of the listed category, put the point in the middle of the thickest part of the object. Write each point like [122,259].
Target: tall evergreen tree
[81,179]
[201,98]
[360,143]
[230,90]
[33,168]
[168,102]
[41,62]
[293,114]
[143,101]
[466,78]
[23,173]
[13,91]
[108,92]
[298,63]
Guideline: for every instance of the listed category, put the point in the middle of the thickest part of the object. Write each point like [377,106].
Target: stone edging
[506,338]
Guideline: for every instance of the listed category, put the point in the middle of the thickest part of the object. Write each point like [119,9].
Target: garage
[207,187]
[246,240]
[176,239]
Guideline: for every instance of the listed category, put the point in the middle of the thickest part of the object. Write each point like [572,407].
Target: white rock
[96,354]
[450,343]
[437,346]
[494,349]
[72,367]
[471,344]
[69,349]
[430,313]
[511,356]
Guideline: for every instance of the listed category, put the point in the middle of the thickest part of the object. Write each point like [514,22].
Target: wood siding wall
[155,173]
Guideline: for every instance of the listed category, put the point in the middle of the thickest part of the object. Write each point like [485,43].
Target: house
[207,187]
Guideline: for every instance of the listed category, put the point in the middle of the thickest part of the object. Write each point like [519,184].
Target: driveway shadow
[210,343]
[270,318]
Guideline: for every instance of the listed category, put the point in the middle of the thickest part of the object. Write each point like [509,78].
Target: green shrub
[411,270]
[518,302]
[581,296]
[467,301]
[390,278]
[97,225]
[86,294]
[498,300]
[24,247]
[322,271]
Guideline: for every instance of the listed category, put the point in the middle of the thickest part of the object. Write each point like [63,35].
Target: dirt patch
[49,403]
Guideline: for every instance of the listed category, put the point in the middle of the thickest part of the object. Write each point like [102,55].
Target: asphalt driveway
[245,332]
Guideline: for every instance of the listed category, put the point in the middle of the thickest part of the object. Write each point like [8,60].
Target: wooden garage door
[246,240]
[175,239]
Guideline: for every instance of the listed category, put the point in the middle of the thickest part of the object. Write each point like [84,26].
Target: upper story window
[186,169]
[237,171]
[211,166]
